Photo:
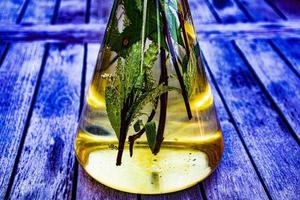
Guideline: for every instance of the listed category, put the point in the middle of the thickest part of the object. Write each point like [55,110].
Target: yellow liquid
[191,149]
[177,166]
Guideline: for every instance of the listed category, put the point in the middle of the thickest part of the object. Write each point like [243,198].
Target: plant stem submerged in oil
[190,151]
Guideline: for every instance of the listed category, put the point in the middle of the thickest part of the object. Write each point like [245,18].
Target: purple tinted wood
[92,33]
[19,73]
[10,10]
[235,177]
[259,10]
[290,8]
[39,12]
[272,148]
[270,67]
[46,165]
[227,10]
[201,13]
[89,189]
[284,47]
[190,193]
[100,11]
[289,48]
[277,78]
[71,11]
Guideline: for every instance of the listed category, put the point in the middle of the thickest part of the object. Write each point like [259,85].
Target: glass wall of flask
[149,124]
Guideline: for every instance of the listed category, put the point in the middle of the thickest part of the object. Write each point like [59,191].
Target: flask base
[177,166]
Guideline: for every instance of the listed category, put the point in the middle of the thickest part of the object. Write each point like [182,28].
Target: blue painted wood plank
[290,8]
[235,177]
[227,11]
[100,11]
[39,12]
[258,10]
[289,49]
[10,10]
[201,13]
[54,119]
[272,148]
[71,11]
[19,73]
[190,193]
[284,47]
[9,13]
[276,77]
[46,165]
[270,67]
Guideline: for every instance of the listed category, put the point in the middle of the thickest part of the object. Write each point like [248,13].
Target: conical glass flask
[149,124]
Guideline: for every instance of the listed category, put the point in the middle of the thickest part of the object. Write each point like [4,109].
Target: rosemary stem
[181,21]
[123,134]
[163,103]
[174,60]
[136,136]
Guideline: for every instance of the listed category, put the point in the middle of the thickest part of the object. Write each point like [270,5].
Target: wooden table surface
[251,49]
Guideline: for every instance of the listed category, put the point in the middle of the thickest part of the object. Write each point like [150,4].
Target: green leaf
[113,108]
[189,76]
[150,129]
[146,98]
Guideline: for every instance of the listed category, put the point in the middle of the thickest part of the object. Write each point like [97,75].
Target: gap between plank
[277,109]
[27,123]
[274,47]
[236,127]
[212,10]
[202,190]
[229,113]
[18,21]
[282,56]
[276,9]
[82,97]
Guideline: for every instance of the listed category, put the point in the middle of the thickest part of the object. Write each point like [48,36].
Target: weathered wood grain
[46,164]
[52,128]
[235,177]
[10,10]
[71,11]
[192,193]
[227,11]
[286,48]
[93,33]
[201,13]
[9,14]
[272,190]
[290,8]
[19,73]
[264,133]
[39,12]
[289,49]
[258,10]
[100,11]
[276,77]
[262,57]
[89,189]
